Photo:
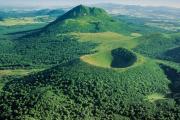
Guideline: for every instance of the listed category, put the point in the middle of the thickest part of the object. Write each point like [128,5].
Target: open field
[18,72]
[25,21]
[107,41]
[154,97]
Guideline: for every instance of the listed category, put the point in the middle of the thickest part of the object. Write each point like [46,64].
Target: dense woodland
[81,91]
[43,50]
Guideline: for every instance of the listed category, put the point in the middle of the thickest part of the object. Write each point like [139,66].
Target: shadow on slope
[174,76]
[173,54]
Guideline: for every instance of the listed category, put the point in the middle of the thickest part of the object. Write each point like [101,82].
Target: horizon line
[68,6]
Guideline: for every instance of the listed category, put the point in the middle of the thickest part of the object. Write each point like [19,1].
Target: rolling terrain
[88,65]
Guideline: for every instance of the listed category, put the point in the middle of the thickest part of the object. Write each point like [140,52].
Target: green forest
[89,65]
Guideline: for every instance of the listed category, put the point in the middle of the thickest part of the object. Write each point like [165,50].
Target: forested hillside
[89,65]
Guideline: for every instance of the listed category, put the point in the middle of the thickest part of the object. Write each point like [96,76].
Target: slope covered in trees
[173,54]
[76,90]
[159,45]
[45,50]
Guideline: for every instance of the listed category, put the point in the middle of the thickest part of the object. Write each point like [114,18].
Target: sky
[60,3]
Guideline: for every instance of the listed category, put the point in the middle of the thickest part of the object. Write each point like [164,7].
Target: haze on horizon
[60,3]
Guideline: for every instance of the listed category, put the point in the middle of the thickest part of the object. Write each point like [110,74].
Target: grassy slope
[107,41]
[101,59]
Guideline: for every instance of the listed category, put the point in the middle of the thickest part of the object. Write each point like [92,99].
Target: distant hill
[161,17]
[50,12]
[141,11]
[31,13]
[82,10]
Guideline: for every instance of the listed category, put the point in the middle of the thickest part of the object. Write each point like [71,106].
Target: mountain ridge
[82,10]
